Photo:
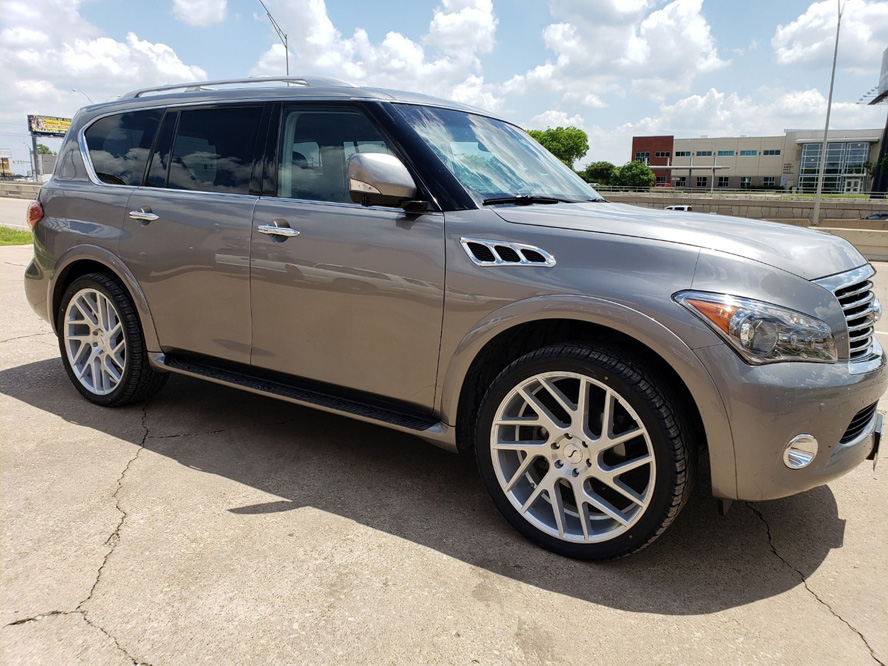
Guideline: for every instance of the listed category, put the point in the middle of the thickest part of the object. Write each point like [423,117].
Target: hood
[804,252]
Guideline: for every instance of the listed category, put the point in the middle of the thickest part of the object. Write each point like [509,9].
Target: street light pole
[815,215]
[84,94]
[281,35]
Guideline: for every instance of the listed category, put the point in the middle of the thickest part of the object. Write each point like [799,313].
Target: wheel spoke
[544,484]
[557,507]
[87,315]
[562,399]
[110,370]
[579,498]
[518,420]
[605,507]
[624,490]
[521,471]
[622,468]
[623,437]
[531,448]
[542,411]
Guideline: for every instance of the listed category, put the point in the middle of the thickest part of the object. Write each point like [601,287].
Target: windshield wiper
[525,200]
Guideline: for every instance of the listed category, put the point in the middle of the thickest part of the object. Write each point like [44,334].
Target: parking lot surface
[215,526]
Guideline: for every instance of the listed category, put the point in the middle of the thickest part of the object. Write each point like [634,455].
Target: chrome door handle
[272,230]
[143,216]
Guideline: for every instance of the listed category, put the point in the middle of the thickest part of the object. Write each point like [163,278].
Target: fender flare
[115,265]
[628,321]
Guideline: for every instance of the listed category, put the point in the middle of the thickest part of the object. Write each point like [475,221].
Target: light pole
[815,215]
[84,94]
[31,157]
[281,35]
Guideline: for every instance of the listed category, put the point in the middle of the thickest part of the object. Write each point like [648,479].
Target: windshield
[493,160]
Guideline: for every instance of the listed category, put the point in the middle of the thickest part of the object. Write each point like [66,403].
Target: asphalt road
[213,526]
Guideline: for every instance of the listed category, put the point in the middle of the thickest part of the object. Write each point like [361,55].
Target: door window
[213,150]
[315,147]
[119,145]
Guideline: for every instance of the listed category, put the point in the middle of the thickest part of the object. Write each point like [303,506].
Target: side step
[299,394]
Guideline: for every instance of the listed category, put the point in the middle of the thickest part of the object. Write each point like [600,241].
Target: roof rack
[197,86]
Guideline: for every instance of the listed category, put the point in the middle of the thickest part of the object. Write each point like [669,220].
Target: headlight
[762,332]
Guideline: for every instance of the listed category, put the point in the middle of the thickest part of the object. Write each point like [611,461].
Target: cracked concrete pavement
[216,526]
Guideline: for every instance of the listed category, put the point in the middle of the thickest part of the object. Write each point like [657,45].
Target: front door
[356,298]
[852,186]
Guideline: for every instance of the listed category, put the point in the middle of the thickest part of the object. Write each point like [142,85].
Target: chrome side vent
[503,253]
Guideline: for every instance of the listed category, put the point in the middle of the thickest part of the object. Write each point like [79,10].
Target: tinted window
[119,146]
[213,150]
[157,172]
[315,147]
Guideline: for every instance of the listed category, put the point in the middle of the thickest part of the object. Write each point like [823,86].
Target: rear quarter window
[119,145]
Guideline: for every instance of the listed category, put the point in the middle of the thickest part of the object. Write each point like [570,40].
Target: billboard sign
[48,125]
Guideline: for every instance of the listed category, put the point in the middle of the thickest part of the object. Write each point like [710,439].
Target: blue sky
[615,68]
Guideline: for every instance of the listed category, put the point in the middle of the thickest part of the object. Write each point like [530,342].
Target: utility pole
[281,35]
[815,216]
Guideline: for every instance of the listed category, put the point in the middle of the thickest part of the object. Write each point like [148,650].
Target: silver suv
[422,265]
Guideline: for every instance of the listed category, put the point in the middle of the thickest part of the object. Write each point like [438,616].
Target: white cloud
[48,48]
[554,118]
[445,60]
[810,39]
[200,12]
[658,51]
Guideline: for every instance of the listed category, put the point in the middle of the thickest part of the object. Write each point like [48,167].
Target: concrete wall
[759,206]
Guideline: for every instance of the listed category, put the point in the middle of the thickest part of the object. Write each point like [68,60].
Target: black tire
[664,482]
[138,380]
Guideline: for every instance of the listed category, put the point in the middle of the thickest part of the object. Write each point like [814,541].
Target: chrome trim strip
[846,279]
[518,248]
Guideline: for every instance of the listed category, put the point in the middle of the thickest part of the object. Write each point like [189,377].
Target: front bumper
[769,405]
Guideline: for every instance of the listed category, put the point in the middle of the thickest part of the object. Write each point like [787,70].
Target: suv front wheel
[583,451]
[102,345]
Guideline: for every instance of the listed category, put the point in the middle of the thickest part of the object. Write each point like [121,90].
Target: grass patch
[15,237]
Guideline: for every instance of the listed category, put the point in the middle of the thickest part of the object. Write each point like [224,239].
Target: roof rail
[197,86]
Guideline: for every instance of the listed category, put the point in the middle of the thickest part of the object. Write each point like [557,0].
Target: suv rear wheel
[583,452]
[102,345]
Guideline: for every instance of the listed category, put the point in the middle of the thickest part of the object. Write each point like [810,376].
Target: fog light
[800,451]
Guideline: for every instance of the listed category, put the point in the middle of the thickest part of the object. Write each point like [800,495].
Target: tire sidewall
[593,366]
[121,307]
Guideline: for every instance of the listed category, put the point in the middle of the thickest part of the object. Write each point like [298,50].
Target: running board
[435,432]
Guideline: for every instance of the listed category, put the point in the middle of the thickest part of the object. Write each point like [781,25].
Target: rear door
[187,230]
[356,298]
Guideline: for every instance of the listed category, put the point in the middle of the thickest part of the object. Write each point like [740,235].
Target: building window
[768,180]
[771,152]
[643,157]
[748,153]
[704,153]
[701,181]
[682,153]
[680,181]
[745,181]
[841,159]
[726,153]
[662,154]
[661,179]
[722,181]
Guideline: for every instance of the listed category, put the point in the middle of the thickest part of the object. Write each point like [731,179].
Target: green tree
[634,174]
[568,144]
[44,150]
[599,172]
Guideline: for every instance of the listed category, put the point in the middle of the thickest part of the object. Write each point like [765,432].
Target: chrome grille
[858,304]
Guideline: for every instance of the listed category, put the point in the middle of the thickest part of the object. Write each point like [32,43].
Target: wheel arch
[85,259]
[521,327]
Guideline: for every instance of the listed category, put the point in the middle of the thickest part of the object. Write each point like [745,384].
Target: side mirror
[379,179]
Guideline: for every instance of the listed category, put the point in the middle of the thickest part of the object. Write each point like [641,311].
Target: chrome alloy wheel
[95,341]
[572,457]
